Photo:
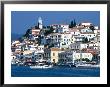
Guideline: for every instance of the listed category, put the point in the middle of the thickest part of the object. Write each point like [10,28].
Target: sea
[26,71]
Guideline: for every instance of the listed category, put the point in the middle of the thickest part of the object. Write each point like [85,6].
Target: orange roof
[55,49]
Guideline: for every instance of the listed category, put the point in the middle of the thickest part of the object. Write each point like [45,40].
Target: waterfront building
[66,57]
[52,54]
[71,56]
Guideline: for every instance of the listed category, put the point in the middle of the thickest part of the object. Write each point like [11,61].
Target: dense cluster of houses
[60,45]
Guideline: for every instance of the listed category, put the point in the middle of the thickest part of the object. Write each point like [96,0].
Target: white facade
[36,48]
[83,56]
[88,35]
[78,39]
[71,56]
[86,24]
[75,32]
[62,28]
[96,27]
[86,30]
[62,40]
[18,50]
[97,31]
[15,43]
[32,47]
[40,49]
[78,46]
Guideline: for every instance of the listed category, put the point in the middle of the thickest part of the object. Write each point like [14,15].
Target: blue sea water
[25,71]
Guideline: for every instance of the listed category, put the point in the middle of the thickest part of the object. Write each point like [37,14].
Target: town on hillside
[57,45]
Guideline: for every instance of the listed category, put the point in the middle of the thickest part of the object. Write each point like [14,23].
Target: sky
[23,20]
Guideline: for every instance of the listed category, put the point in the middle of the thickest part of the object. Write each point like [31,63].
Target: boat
[87,65]
[41,66]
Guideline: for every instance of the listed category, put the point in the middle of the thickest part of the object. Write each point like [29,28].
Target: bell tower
[40,23]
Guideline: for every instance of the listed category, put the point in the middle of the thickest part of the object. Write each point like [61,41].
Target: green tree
[92,28]
[85,40]
[74,25]
[49,31]
[71,25]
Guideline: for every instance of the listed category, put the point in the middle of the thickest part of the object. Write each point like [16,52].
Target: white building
[86,24]
[74,32]
[88,35]
[62,40]
[70,56]
[62,28]
[15,42]
[82,55]
[96,27]
[33,47]
[78,46]
[97,31]
[78,39]
[86,30]
[40,49]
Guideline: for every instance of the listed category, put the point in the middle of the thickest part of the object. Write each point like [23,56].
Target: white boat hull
[40,67]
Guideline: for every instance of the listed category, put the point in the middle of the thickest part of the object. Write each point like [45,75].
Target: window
[53,54]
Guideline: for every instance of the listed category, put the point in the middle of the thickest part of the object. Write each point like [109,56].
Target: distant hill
[15,36]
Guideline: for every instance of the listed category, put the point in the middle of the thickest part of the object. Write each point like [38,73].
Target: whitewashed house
[62,40]
[40,49]
[70,56]
[78,46]
[88,35]
[74,32]
[86,24]
[86,30]
[62,28]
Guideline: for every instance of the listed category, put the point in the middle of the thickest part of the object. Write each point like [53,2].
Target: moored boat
[40,66]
